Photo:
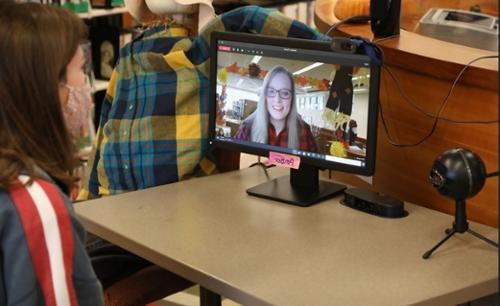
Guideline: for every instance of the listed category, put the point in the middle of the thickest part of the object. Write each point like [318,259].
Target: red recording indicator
[224,48]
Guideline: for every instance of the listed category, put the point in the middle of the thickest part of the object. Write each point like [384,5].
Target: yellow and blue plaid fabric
[153,127]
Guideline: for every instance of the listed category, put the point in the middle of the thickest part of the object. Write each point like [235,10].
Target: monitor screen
[296,97]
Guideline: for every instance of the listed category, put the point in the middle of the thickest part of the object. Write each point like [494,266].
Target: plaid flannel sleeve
[154,120]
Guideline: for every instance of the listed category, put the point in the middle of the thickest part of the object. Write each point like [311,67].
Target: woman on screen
[276,121]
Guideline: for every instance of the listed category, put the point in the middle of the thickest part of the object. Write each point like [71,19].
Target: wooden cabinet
[425,70]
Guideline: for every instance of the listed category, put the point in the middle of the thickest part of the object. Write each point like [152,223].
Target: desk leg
[209,298]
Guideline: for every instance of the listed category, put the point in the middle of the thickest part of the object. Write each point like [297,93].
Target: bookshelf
[101,18]
[91,18]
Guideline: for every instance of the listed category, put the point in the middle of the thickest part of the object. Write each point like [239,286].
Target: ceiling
[324,71]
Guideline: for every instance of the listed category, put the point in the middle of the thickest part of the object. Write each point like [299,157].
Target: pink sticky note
[284,160]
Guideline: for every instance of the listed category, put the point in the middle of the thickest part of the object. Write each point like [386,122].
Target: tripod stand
[459,226]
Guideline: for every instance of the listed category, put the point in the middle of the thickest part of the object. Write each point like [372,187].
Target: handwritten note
[284,160]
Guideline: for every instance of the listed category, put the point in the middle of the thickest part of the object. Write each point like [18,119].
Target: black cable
[375,41]
[492,174]
[263,166]
[389,137]
[386,129]
[352,19]
[436,117]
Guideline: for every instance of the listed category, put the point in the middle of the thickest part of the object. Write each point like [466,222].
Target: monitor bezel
[371,136]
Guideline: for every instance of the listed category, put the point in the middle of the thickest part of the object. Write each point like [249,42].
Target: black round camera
[344,45]
[458,173]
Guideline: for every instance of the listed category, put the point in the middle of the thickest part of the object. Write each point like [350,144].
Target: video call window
[312,108]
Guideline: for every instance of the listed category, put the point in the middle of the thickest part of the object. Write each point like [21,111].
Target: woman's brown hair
[37,43]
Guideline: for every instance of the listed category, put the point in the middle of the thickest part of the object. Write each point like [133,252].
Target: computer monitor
[295,97]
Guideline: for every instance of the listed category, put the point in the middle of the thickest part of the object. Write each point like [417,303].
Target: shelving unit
[99,84]
[97,12]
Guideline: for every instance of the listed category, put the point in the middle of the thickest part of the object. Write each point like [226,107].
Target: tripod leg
[473,233]
[429,253]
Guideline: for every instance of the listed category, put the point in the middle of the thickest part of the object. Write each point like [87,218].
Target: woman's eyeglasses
[283,93]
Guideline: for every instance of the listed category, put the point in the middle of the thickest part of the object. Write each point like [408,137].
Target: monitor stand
[302,187]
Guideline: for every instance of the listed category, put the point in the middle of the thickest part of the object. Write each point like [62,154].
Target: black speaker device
[384,17]
[373,203]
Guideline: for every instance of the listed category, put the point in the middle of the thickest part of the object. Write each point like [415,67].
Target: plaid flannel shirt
[153,127]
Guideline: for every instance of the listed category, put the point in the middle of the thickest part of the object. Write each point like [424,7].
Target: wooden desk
[425,68]
[258,252]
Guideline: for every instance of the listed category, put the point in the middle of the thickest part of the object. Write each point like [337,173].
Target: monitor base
[280,189]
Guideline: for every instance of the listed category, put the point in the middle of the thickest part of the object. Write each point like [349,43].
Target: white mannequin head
[162,7]
[147,10]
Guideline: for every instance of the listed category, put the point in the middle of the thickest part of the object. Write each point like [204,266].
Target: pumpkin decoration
[233,68]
